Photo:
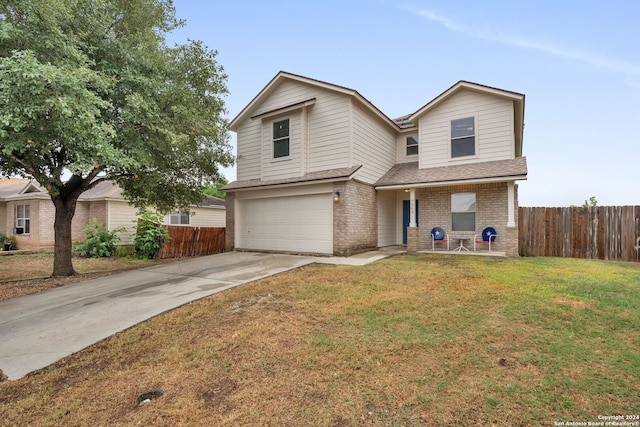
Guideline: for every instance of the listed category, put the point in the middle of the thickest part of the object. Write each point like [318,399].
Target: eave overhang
[326,176]
[408,175]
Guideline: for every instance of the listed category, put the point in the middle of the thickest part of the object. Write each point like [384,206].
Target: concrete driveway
[40,329]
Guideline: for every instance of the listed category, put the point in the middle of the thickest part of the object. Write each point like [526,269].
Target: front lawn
[411,340]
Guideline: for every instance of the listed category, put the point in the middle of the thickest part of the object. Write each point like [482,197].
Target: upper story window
[463,137]
[463,212]
[412,145]
[23,219]
[180,218]
[281,138]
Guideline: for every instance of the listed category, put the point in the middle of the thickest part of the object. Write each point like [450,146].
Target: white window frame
[475,138]
[23,219]
[175,218]
[456,211]
[412,145]
[274,140]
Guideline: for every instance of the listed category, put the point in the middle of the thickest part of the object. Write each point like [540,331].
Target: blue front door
[406,218]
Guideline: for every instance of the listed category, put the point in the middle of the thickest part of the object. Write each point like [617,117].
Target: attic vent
[32,189]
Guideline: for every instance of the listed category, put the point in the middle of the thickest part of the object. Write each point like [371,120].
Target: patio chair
[438,236]
[488,236]
[637,247]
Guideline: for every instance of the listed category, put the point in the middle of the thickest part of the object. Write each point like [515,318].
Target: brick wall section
[491,211]
[42,224]
[45,222]
[80,220]
[98,210]
[229,243]
[412,240]
[355,218]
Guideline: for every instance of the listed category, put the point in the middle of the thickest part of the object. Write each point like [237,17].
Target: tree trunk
[62,255]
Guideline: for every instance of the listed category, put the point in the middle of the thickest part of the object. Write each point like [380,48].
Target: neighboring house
[321,170]
[27,213]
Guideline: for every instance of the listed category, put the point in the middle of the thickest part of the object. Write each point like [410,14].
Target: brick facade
[230,234]
[42,221]
[355,218]
[491,211]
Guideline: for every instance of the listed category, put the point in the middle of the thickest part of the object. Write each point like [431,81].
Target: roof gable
[12,186]
[461,85]
[517,99]
[283,76]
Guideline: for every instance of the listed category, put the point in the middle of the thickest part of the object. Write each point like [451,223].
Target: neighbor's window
[463,212]
[412,145]
[180,218]
[23,219]
[281,138]
[463,137]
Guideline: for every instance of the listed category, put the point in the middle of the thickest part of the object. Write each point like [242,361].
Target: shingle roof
[211,201]
[306,178]
[409,174]
[404,122]
[103,190]
[12,186]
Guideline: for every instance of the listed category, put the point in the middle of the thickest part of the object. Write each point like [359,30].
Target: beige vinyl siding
[121,214]
[374,145]
[494,129]
[387,218]
[283,167]
[329,132]
[249,150]
[319,134]
[208,217]
[401,148]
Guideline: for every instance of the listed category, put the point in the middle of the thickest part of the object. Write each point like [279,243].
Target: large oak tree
[90,90]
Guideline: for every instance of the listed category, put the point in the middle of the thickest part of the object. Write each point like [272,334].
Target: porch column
[412,231]
[511,232]
[412,207]
[511,208]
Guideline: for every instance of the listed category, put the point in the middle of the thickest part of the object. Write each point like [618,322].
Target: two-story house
[321,170]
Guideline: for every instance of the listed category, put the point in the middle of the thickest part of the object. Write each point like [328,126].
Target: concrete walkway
[40,329]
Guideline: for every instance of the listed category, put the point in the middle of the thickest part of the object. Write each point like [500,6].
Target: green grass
[408,341]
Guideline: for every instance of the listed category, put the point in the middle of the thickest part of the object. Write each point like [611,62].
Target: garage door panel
[293,223]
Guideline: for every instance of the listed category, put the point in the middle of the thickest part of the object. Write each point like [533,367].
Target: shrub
[100,243]
[150,235]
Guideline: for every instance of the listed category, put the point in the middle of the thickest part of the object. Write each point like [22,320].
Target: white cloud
[545,47]
[432,16]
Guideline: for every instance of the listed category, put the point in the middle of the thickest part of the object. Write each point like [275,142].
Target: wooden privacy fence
[192,241]
[600,232]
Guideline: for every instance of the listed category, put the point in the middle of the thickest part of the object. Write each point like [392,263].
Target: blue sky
[577,62]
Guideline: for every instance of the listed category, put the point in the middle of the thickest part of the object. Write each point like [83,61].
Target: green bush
[150,236]
[100,243]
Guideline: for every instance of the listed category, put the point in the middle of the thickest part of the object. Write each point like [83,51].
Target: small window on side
[180,218]
[412,145]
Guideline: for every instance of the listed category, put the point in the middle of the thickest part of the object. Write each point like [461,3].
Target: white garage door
[289,224]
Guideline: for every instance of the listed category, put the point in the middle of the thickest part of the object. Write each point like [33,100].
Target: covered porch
[458,200]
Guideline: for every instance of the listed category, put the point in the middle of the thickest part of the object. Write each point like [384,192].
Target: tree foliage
[592,202]
[91,88]
[213,188]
